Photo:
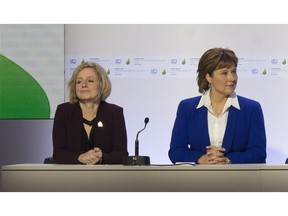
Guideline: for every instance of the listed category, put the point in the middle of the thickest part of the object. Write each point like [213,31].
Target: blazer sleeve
[118,146]
[250,148]
[179,146]
[66,149]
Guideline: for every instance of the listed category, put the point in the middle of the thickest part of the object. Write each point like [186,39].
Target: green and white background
[31,71]
[137,55]
[31,86]
[151,83]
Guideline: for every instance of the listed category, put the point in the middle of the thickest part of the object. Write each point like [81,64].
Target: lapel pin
[100,124]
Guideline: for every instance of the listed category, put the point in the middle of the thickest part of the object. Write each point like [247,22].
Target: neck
[217,98]
[89,110]
[217,101]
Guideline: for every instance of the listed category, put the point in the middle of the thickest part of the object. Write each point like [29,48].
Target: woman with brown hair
[218,127]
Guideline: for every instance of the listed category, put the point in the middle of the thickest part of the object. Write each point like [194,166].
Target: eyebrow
[223,69]
[86,78]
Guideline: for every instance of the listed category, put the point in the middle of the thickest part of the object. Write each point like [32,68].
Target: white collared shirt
[217,125]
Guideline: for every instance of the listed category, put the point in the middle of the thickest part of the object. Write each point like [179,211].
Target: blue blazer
[244,138]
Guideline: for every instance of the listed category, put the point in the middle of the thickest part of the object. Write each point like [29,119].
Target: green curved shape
[21,96]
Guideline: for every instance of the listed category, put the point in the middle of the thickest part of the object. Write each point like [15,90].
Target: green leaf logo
[21,96]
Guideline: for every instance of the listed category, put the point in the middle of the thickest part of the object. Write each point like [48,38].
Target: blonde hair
[101,74]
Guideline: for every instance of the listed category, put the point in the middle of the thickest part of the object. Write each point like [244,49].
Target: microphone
[137,160]
[146,120]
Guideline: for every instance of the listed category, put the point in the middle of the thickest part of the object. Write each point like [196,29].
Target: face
[223,81]
[87,85]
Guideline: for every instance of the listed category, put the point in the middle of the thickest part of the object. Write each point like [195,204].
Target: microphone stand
[137,141]
[137,160]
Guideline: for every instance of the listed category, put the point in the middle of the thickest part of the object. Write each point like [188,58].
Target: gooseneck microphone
[146,120]
[137,160]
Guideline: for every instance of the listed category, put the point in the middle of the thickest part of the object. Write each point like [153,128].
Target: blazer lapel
[99,124]
[201,114]
[230,128]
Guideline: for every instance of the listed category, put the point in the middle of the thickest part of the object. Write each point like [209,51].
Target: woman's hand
[214,155]
[91,157]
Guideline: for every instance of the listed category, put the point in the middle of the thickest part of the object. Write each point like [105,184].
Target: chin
[228,93]
[231,88]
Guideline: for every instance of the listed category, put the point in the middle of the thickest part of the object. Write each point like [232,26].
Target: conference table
[152,178]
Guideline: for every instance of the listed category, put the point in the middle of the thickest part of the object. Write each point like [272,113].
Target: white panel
[158,98]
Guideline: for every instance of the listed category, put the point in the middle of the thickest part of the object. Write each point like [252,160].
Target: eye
[79,82]
[91,80]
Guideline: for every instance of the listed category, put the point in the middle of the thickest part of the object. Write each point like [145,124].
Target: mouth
[231,85]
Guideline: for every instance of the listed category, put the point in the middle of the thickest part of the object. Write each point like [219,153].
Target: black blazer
[109,133]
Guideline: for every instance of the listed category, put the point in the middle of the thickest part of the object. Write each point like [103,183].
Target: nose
[232,76]
[84,83]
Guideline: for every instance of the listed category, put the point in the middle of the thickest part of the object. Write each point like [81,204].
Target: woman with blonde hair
[87,129]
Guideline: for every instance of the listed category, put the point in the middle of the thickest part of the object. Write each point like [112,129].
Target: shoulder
[247,102]
[110,111]
[109,106]
[190,102]
[67,106]
[188,105]
[67,109]
[249,105]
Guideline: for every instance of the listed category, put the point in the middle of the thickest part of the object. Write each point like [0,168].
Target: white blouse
[217,125]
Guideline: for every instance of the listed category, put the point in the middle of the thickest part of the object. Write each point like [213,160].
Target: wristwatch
[228,161]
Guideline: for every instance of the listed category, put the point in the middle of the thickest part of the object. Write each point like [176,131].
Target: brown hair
[211,60]
[100,72]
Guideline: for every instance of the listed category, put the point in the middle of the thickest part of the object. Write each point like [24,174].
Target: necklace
[216,111]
